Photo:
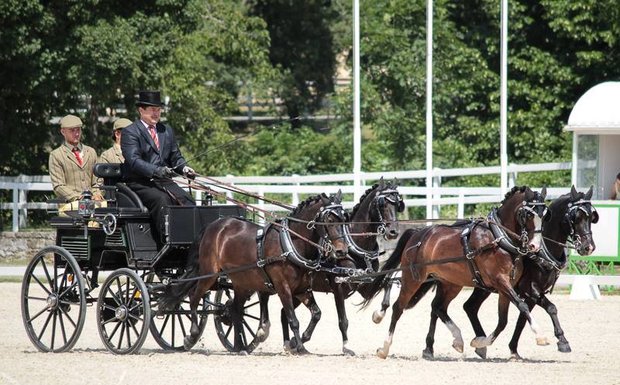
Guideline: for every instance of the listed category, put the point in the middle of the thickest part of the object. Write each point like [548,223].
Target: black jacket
[141,155]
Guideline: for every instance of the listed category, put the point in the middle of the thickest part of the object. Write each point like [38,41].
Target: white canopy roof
[597,111]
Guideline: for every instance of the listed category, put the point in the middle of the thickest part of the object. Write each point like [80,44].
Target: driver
[152,158]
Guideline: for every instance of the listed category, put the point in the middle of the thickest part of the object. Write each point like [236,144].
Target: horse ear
[589,193]
[381,183]
[543,193]
[573,192]
[338,196]
[395,183]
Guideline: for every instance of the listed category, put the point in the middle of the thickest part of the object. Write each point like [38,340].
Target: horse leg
[286,344]
[263,330]
[406,293]
[444,296]
[194,300]
[236,313]
[471,307]
[343,322]
[552,310]
[514,341]
[502,313]
[377,315]
[286,297]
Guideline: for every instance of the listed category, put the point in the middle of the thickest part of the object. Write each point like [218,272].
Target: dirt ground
[590,326]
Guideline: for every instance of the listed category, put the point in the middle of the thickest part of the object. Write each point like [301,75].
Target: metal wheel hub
[121,313]
[52,301]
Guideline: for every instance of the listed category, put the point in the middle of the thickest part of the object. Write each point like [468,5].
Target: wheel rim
[250,320]
[123,312]
[53,302]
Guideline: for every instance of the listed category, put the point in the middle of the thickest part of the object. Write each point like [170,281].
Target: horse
[486,261]
[277,262]
[571,217]
[375,214]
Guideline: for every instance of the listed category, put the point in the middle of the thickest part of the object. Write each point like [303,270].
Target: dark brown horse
[433,252]
[278,264]
[374,215]
[571,217]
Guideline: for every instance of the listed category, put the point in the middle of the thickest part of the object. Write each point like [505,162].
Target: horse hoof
[564,347]
[482,353]
[479,342]
[348,352]
[377,316]
[458,345]
[542,341]
[287,347]
[301,350]
[188,342]
[381,353]
[427,354]
[515,357]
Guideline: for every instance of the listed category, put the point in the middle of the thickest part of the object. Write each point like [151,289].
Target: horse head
[330,222]
[522,212]
[578,219]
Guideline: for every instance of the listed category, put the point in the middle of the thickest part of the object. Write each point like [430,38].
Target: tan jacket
[69,179]
[112,155]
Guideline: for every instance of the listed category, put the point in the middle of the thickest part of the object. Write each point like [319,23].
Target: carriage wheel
[53,300]
[170,328]
[223,320]
[123,312]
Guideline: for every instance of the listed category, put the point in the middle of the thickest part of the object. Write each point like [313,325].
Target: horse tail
[176,292]
[370,290]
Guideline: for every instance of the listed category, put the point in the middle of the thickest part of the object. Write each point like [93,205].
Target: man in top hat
[152,158]
[114,154]
[71,164]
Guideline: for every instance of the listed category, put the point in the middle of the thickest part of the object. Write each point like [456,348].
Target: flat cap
[70,121]
[121,123]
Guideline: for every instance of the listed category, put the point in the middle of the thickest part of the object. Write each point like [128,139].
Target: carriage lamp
[86,206]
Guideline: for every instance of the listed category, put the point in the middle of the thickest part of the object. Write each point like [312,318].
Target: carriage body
[117,241]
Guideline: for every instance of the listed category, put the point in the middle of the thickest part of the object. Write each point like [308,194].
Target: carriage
[63,280]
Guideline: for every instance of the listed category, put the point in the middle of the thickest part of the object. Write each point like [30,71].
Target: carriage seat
[127,201]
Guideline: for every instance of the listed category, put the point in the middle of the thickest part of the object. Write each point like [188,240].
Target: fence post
[436,184]
[295,195]
[15,208]
[461,205]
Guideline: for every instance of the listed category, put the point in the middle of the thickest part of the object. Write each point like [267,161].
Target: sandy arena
[590,326]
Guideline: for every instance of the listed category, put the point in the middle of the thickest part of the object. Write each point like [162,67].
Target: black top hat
[149,98]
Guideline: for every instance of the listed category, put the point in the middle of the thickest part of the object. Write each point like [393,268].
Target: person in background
[152,158]
[615,189]
[114,154]
[71,165]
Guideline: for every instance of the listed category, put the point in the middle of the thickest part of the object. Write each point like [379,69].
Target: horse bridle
[326,242]
[571,217]
[390,196]
[536,207]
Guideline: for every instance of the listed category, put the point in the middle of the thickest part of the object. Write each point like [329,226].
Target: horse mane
[357,206]
[307,202]
[388,185]
[513,191]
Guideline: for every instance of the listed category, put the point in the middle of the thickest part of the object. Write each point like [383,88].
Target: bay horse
[430,253]
[375,215]
[571,217]
[277,262]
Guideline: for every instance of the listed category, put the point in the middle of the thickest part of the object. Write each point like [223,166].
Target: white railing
[297,187]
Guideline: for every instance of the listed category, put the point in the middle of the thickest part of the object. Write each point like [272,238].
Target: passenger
[615,190]
[71,165]
[152,158]
[114,154]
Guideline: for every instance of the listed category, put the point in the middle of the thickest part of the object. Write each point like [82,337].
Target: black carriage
[61,281]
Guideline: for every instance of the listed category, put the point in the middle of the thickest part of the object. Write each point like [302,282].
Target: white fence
[295,186]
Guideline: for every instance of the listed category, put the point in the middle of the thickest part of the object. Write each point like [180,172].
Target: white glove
[189,172]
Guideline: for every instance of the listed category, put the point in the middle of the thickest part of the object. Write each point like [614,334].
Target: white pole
[357,131]
[429,108]
[504,99]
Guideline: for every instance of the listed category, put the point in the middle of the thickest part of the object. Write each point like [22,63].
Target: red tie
[78,156]
[154,136]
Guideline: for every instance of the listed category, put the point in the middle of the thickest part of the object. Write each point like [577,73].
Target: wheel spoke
[62,328]
[251,316]
[181,324]
[36,315]
[164,324]
[251,304]
[129,333]
[47,274]
[110,336]
[116,299]
[247,326]
[41,284]
[47,321]
[120,340]
[68,317]
[55,316]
